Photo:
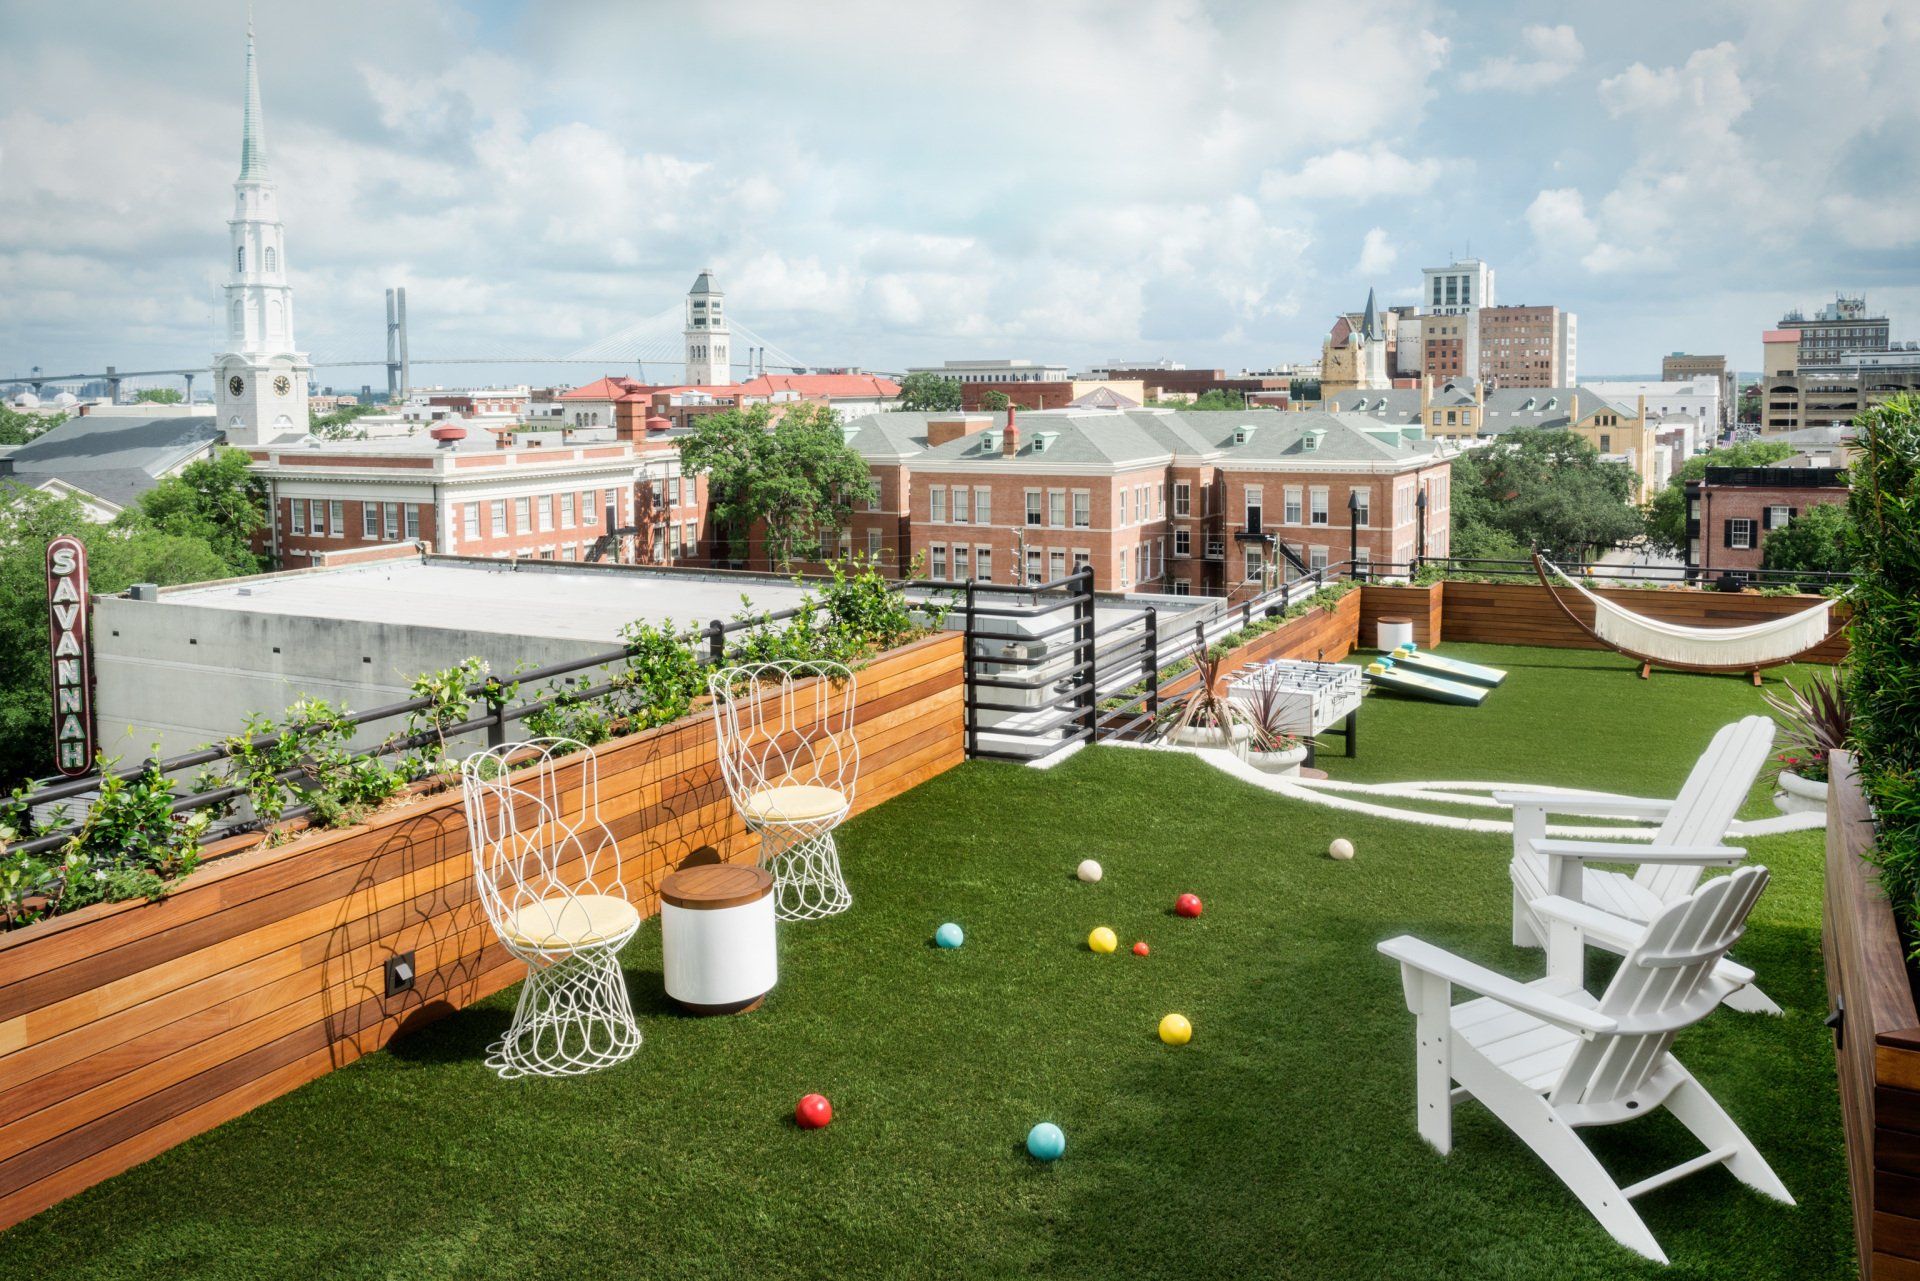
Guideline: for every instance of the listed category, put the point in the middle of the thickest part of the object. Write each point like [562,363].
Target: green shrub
[1884,686]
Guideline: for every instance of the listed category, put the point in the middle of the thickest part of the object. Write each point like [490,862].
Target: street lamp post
[1420,506]
[1353,531]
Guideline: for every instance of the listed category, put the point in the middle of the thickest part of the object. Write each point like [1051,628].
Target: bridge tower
[709,360]
[260,381]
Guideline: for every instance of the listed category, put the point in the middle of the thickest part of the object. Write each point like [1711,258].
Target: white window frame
[297,512]
[1317,505]
[962,563]
[336,518]
[1740,531]
[497,517]
[1056,509]
[370,520]
[1294,513]
[982,505]
[523,515]
[1182,542]
[937,504]
[1363,497]
[1083,509]
[937,562]
[566,510]
[1036,512]
[1252,497]
[983,563]
[1182,498]
[962,507]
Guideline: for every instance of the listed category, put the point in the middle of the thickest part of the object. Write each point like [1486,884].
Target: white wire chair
[790,760]
[548,872]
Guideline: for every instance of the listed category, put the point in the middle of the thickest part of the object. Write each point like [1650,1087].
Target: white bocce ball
[1342,849]
[1089,871]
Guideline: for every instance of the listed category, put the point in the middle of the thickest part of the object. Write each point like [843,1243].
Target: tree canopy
[1820,540]
[338,425]
[1667,513]
[798,475]
[994,399]
[929,392]
[214,501]
[1544,486]
[158,396]
[17,428]
[117,556]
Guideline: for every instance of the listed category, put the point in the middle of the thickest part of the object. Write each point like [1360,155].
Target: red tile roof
[612,387]
[822,385]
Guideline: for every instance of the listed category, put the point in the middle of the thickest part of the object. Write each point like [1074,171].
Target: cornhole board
[1451,669]
[1401,681]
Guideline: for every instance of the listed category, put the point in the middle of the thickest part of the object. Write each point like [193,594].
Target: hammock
[1747,648]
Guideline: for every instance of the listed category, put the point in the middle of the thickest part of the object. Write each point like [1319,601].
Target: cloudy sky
[884,183]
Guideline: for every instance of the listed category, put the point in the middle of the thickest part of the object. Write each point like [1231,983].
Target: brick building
[1526,347]
[1157,500]
[1064,393]
[455,492]
[1732,510]
[1161,383]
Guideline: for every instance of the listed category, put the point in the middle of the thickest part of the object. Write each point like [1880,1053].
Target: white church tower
[709,362]
[260,381]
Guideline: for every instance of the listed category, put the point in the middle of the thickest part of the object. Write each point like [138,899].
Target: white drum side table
[717,937]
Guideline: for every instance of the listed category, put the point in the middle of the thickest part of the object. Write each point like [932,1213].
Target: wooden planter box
[126,1028]
[1876,1042]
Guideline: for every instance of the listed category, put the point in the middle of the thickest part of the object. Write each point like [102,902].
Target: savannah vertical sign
[72,655]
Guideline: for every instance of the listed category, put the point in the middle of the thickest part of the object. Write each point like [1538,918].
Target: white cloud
[1373,173]
[1552,54]
[1703,96]
[1377,253]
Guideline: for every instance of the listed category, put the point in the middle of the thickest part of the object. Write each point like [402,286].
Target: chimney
[953,426]
[1010,440]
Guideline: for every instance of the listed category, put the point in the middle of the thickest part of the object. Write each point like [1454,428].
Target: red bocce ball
[1187,905]
[813,1112]
[1140,948]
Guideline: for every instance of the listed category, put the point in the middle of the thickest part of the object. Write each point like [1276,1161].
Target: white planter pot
[1799,795]
[1281,762]
[1209,736]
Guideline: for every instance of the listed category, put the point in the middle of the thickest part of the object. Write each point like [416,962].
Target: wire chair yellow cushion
[794,803]
[561,922]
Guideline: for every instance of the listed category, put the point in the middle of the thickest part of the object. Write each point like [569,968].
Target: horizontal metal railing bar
[1043,730]
[1051,678]
[1008,660]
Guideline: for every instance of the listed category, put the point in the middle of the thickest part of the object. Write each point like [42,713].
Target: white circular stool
[716,937]
[1394,632]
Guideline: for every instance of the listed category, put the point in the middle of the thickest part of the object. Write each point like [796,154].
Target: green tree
[1748,408]
[158,396]
[215,501]
[338,425]
[929,392]
[116,558]
[797,476]
[1667,513]
[994,400]
[1820,540]
[17,428]
[1542,486]
[1215,400]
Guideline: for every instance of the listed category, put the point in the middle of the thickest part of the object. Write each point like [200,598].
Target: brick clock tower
[260,381]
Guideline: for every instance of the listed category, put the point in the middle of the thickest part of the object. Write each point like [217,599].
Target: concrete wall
[183,676]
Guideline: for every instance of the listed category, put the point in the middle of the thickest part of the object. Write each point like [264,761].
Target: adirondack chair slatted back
[786,723]
[1665,984]
[1720,781]
[533,821]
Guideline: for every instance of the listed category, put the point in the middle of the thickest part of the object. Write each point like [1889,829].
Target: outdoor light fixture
[399,973]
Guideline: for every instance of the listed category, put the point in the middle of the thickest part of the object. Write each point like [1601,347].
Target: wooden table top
[711,886]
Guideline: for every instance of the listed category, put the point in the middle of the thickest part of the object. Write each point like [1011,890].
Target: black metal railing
[1030,666]
[1601,573]
[508,699]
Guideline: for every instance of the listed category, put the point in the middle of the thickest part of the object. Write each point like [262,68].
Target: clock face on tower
[236,385]
[282,385]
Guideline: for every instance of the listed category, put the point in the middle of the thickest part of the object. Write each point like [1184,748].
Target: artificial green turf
[1279,1143]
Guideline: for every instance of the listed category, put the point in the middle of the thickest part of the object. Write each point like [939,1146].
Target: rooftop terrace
[1280,1142]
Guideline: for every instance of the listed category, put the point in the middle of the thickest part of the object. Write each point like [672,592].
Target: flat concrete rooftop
[532,598]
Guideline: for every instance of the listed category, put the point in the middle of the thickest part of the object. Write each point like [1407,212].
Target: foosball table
[1312,697]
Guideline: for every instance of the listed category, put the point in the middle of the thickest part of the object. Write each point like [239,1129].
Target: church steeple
[260,380]
[253,142]
[1370,320]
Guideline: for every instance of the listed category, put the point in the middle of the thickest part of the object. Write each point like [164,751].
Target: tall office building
[1461,289]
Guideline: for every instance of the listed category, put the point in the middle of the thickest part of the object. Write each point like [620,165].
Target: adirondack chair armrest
[1564,803]
[1457,971]
[1599,927]
[1618,852]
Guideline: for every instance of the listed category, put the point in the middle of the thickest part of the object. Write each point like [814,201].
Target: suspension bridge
[652,349]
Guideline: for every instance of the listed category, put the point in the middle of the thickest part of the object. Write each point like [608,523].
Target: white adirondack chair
[1547,1058]
[1692,828]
